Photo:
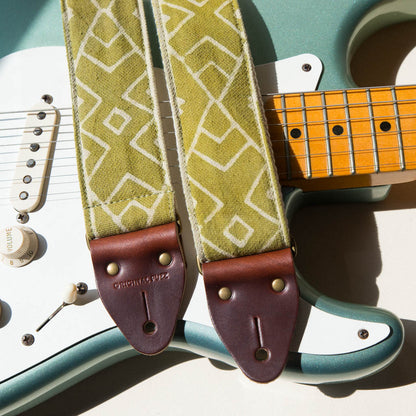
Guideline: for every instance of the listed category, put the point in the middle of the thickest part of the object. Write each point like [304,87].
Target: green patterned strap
[122,163]
[230,181]
[123,171]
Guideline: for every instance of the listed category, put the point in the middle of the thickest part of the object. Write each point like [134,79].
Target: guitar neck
[344,138]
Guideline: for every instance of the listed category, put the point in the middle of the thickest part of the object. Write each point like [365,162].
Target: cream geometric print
[122,162]
[228,173]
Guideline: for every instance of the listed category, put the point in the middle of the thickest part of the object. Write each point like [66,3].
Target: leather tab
[257,322]
[144,296]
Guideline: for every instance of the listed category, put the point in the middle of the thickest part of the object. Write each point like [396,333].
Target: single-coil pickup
[35,158]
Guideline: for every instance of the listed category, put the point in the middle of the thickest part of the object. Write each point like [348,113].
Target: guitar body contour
[82,338]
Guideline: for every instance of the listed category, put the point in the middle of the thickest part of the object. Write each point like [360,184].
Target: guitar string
[310,155]
[338,172]
[307,123]
[293,157]
[341,120]
[277,95]
[286,109]
[312,140]
[294,123]
[340,137]
[343,137]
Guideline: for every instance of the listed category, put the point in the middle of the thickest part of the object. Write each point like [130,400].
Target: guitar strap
[126,191]
[230,181]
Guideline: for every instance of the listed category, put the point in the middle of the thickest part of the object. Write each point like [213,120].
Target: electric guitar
[335,138]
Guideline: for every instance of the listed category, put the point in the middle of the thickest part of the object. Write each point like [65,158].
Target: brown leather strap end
[253,303]
[140,277]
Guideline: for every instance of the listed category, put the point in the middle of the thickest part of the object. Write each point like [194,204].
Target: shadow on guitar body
[108,383]
[401,373]
[377,62]
[339,253]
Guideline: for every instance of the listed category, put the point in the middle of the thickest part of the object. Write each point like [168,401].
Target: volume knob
[18,245]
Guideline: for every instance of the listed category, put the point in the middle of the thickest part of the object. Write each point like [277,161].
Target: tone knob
[18,245]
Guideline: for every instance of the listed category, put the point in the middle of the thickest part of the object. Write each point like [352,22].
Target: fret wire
[399,133]
[328,145]
[373,131]
[305,132]
[349,132]
[286,139]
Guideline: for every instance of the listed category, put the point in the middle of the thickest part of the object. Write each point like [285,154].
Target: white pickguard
[29,294]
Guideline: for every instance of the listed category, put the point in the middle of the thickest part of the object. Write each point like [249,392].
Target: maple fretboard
[343,133]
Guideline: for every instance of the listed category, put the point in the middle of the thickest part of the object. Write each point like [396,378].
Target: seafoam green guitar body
[277,29]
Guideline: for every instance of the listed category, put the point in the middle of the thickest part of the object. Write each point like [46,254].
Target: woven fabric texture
[122,162]
[228,172]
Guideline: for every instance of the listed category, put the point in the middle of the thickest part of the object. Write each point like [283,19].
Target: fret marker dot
[338,130]
[385,126]
[295,133]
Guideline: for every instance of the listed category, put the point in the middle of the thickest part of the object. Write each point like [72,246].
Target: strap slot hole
[262,354]
[149,327]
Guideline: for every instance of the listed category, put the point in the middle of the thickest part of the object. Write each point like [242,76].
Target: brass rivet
[224,293]
[112,269]
[278,285]
[165,259]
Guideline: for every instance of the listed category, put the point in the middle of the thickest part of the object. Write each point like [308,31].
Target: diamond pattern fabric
[228,172]
[122,163]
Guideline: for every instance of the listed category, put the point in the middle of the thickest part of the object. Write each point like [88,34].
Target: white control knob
[18,245]
[70,294]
